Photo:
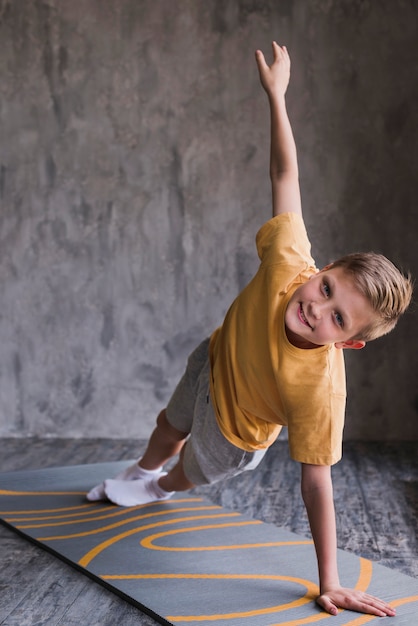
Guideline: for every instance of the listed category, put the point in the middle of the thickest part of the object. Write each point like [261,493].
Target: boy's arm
[283,158]
[317,494]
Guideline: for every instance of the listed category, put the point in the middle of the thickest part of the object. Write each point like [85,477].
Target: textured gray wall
[134,176]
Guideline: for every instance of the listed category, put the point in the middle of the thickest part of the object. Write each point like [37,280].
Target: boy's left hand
[354,600]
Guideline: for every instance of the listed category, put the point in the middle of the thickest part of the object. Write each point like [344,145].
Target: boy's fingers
[327,605]
[279,54]
[261,61]
[276,50]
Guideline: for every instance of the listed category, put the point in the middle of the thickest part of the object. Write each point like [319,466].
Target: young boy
[277,360]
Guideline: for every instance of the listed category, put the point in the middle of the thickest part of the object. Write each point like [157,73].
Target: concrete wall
[134,176]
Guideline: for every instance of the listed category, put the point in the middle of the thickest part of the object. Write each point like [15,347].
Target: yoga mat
[187,561]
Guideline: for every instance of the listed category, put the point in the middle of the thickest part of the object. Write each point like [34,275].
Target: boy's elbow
[315,478]
[284,175]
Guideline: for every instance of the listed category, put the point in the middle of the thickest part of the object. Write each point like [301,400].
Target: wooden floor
[376,498]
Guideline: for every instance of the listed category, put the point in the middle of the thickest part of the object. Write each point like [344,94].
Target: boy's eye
[339,319]
[326,289]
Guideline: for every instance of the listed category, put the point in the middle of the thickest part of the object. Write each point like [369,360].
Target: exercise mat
[186,561]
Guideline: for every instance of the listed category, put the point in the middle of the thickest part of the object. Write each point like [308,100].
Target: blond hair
[387,289]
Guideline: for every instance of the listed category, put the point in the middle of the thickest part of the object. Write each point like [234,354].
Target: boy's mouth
[302,317]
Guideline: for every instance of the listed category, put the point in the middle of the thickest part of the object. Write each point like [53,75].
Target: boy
[277,360]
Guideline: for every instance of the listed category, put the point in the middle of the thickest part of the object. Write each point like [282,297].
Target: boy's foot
[134,492]
[133,472]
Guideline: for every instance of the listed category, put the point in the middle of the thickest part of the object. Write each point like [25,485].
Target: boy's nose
[315,310]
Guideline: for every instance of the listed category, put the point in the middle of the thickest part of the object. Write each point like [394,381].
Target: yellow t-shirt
[259,380]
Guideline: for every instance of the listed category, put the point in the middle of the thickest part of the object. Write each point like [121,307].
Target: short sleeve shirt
[259,380]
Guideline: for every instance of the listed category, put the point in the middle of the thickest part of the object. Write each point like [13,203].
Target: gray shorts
[208,455]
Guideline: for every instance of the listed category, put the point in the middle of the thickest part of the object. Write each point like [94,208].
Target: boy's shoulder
[284,239]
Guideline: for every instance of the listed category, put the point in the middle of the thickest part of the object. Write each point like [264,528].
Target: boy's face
[327,309]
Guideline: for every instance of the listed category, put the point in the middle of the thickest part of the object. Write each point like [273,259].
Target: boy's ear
[351,344]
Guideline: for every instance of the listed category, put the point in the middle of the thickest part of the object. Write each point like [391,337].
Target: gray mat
[186,560]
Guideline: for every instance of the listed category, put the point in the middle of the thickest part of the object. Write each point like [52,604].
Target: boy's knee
[169,430]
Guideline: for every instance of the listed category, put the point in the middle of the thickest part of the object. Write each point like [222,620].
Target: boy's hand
[354,600]
[274,78]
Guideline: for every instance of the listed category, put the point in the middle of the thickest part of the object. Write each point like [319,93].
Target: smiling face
[327,309]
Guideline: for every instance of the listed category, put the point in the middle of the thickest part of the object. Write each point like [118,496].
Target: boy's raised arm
[284,172]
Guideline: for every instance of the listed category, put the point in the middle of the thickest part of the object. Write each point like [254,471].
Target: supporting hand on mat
[318,498]
[354,600]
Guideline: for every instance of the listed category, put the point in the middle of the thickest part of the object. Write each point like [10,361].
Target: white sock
[133,472]
[136,492]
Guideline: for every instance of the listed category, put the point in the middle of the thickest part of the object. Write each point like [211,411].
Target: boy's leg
[176,479]
[161,487]
[168,438]
[165,442]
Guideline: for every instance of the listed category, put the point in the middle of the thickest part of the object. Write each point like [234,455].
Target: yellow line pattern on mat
[148,541]
[55,510]
[147,522]
[87,558]
[118,513]
[7,492]
[311,593]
